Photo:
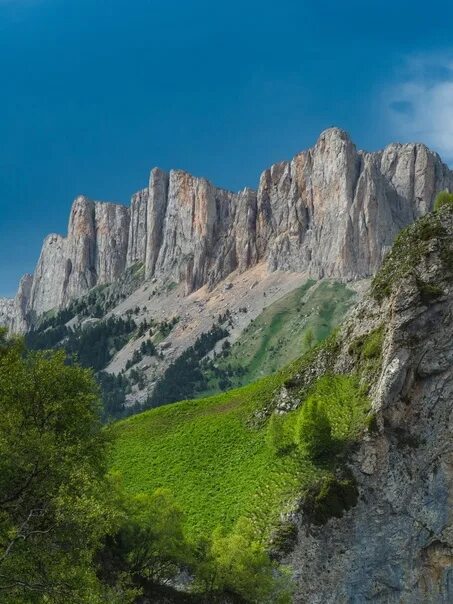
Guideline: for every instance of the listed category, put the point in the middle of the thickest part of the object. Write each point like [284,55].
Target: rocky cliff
[332,211]
[396,544]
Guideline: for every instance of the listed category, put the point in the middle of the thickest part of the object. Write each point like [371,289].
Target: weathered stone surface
[13,311]
[156,211]
[396,544]
[136,249]
[94,252]
[7,311]
[332,212]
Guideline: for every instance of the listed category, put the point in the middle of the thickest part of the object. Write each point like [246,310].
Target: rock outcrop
[13,311]
[94,252]
[396,544]
[332,212]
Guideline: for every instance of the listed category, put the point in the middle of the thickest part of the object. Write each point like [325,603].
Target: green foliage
[333,414]
[279,438]
[368,346]
[221,466]
[372,346]
[93,345]
[183,378]
[208,454]
[239,564]
[314,430]
[150,546]
[329,498]
[444,198]
[54,497]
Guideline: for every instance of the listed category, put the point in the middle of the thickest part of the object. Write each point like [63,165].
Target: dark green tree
[314,430]
[54,495]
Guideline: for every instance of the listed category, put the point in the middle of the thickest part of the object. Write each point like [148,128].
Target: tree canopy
[54,496]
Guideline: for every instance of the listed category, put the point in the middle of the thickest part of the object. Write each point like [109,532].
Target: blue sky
[96,92]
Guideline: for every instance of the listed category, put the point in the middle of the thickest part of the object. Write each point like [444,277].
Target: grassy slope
[206,452]
[276,336]
[211,453]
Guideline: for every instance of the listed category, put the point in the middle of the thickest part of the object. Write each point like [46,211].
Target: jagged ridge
[332,211]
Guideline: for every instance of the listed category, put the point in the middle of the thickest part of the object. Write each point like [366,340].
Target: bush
[372,346]
[237,565]
[443,198]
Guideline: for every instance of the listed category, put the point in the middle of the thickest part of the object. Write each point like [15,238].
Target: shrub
[314,430]
[372,346]
[237,565]
[333,414]
[443,198]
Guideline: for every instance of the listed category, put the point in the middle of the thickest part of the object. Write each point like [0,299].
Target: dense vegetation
[183,378]
[68,531]
[223,463]
[54,496]
[444,198]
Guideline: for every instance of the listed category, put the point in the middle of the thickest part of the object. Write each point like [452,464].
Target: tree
[277,436]
[150,546]
[314,430]
[54,495]
[309,339]
[238,564]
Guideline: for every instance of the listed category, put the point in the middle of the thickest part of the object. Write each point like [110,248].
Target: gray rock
[396,544]
[331,212]
[94,252]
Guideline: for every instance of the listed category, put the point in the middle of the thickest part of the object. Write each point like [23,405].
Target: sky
[94,93]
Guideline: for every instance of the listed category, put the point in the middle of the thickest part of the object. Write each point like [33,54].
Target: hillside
[136,336]
[343,460]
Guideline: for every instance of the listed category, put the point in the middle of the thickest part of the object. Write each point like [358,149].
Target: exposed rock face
[94,252]
[156,211]
[332,212]
[136,249]
[396,544]
[13,311]
[7,311]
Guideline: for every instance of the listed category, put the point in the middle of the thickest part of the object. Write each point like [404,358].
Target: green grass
[278,335]
[215,459]
[205,451]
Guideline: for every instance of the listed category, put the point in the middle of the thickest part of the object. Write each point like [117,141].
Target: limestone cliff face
[136,248]
[396,544]
[332,211]
[94,252]
[13,311]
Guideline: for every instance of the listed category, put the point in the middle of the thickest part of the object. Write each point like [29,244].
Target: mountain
[342,462]
[193,289]
[330,212]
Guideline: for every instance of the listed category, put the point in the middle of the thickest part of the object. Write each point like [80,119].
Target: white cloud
[420,108]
